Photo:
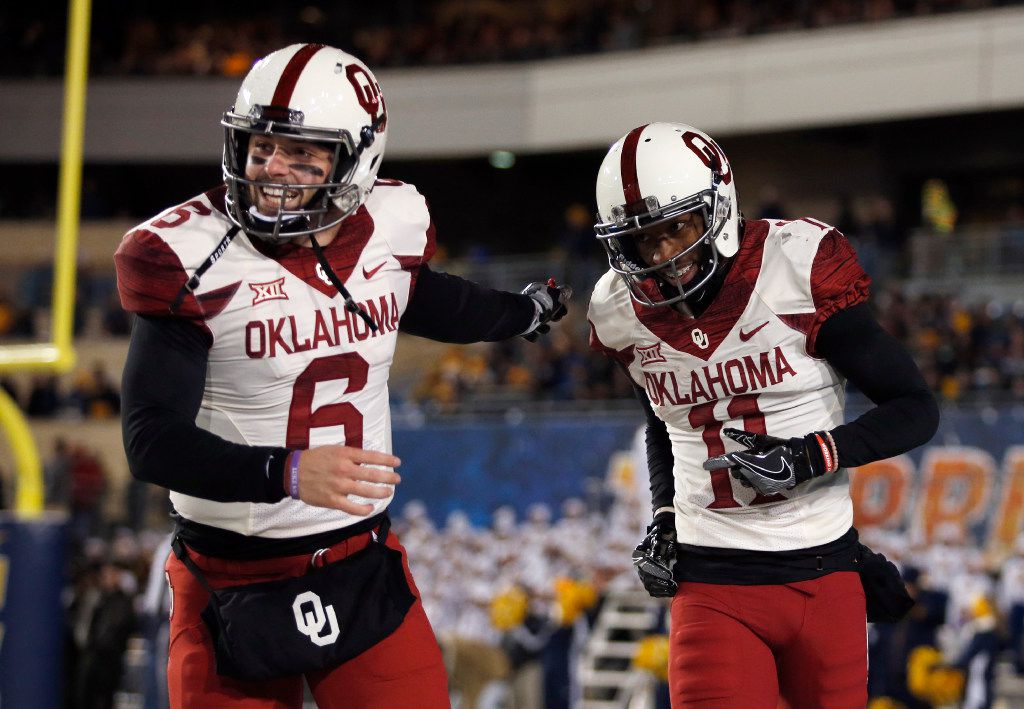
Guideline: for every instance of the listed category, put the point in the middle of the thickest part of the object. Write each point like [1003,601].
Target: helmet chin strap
[350,304]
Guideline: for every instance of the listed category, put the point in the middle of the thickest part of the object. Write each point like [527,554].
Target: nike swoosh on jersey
[373,271]
[780,475]
[744,336]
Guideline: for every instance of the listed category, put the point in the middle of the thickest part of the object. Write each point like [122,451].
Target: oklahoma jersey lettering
[284,348]
[747,362]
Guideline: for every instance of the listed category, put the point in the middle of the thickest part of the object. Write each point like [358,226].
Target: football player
[256,385]
[739,337]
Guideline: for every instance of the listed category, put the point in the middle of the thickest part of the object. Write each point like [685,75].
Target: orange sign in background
[962,489]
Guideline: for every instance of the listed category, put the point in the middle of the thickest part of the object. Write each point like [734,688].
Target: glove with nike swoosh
[551,302]
[771,465]
[655,556]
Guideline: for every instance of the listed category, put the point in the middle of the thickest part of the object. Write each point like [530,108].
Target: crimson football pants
[403,670]
[744,647]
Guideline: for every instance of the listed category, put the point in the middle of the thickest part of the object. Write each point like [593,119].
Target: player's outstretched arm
[331,476]
[448,308]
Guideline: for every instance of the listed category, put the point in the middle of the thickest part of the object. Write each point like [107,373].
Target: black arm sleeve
[659,455]
[906,414]
[162,388]
[447,308]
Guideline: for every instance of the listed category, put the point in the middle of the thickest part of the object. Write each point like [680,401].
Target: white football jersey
[288,365]
[747,362]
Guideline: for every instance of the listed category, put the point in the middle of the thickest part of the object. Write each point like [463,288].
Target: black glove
[771,465]
[656,555]
[553,301]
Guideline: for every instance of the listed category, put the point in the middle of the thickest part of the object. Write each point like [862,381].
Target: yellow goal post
[58,355]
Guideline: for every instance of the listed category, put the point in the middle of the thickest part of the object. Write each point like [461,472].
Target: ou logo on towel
[312,621]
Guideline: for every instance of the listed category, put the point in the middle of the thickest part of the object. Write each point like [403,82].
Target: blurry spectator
[1011,602]
[14,321]
[978,658]
[113,620]
[84,596]
[105,401]
[93,395]
[88,488]
[44,399]
[937,209]
[893,644]
[57,475]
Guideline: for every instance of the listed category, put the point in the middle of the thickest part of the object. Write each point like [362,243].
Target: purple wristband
[293,476]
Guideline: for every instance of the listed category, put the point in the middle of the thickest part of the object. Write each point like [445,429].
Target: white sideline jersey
[288,366]
[747,362]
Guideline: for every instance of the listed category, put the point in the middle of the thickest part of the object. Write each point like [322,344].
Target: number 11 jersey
[747,362]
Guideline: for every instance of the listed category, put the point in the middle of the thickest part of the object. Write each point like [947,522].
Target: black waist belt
[225,544]
[746,567]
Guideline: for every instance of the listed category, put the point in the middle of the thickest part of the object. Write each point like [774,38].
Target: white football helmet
[654,174]
[307,92]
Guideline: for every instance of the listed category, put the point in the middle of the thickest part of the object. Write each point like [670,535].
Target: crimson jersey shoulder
[154,259]
[610,314]
[402,216]
[810,271]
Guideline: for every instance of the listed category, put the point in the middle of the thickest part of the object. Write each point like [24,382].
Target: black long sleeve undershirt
[162,388]
[165,375]
[905,415]
[447,308]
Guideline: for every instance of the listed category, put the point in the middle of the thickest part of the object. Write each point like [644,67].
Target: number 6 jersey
[747,362]
[288,365]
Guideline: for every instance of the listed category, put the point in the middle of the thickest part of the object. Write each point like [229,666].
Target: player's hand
[655,557]
[771,465]
[335,476]
[553,301]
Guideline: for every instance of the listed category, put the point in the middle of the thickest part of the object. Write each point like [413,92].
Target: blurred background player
[256,386]
[739,337]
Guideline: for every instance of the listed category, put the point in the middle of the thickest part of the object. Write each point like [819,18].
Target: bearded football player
[256,390]
[739,337]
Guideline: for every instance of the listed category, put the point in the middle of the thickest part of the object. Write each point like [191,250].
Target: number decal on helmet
[709,154]
[367,93]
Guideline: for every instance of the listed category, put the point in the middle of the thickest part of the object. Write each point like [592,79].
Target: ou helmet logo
[709,153]
[311,622]
[367,93]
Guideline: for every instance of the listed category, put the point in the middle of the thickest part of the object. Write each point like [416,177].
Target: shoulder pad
[402,218]
[611,313]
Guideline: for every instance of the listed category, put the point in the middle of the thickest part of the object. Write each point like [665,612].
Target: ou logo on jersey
[311,622]
[700,338]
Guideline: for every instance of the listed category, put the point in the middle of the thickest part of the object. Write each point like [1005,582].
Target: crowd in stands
[85,394]
[205,39]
